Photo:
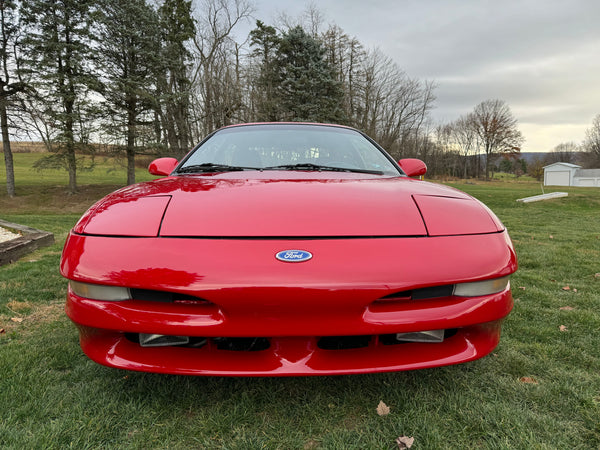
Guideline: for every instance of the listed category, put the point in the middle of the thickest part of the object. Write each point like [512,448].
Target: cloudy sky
[540,56]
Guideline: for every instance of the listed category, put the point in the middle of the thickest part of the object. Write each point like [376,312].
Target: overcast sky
[540,56]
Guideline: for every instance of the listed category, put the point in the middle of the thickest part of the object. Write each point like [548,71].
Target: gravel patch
[6,235]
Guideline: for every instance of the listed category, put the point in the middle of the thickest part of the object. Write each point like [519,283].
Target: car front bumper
[342,292]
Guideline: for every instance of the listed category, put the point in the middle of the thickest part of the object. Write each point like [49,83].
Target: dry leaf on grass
[405,442]
[566,288]
[566,308]
[522,287]
[16,319]
[528,380]
[563,328]
[383,409]
[597,275]
[2,331]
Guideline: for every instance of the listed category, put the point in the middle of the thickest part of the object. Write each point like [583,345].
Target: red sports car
[287,249]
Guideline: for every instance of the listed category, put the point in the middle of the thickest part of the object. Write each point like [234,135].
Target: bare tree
[393,108]
[563,152]
[464,135]
[217,60]
[10,85]
[592,144]
[496,129]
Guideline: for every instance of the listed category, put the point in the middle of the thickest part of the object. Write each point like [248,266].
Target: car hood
[287,204]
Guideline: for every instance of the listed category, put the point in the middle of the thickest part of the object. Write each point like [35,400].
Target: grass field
[540,389]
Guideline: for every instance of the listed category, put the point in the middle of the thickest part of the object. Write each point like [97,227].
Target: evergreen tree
[266,42]
[128,39]
[307,87]
[173,77]
[58,46]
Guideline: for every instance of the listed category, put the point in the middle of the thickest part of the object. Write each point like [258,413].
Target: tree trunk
[8,158]
[130,150]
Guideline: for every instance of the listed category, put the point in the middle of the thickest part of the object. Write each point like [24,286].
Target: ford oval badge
[293,255]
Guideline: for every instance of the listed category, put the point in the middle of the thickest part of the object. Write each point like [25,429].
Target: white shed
[566,174]
[587,177]
[560,174]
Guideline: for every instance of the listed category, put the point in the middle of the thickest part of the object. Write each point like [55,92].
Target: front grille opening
[422,294]
[343,342]
[193,341]
[165,297]
[252,344]
[242,344]
[391,339]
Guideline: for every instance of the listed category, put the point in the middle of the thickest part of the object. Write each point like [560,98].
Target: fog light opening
[421,336]
[161,340]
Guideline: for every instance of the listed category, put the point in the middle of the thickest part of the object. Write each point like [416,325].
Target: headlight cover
[479,288]
[100,292]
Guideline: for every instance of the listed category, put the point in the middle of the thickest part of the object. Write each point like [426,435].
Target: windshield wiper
[318,167]
[212,167]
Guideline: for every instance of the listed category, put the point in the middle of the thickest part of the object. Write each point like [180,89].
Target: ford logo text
[293,255]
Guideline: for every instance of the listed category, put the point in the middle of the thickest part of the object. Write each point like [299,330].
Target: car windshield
[288,147]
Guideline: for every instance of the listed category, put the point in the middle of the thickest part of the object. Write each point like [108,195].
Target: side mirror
[413,167]
[162,166]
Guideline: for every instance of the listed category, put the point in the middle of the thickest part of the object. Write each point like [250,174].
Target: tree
[218,61]
[10,85]
[128,38]
[58,47]
[345,56]
[393,108]
[563,152]
[306,86]
[592,144]
[464,136]
[535,168]
[265,41]
[496,129]
[173,73]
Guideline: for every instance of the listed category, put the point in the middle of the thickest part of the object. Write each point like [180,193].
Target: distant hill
[530,156]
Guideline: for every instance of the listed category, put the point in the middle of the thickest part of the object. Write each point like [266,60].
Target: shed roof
[569,165]
[591,173]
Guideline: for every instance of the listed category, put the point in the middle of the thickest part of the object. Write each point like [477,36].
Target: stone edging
[30,240]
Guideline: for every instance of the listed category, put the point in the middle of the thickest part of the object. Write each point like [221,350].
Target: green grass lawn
[540,389]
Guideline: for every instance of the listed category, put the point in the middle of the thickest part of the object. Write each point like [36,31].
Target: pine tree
[307,86]
[266,42]
[173,77]
[58,46]
[128,38]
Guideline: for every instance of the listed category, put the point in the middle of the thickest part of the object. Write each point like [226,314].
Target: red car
[287,249]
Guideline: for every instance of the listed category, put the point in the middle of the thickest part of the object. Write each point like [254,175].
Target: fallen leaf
[563,328]
[528,380]
[16,319]
[597,275]
[2,331]
[551,237]
[383,409]
[574,290]
[405,442]
[522,287]
[566,288]
[566,308]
